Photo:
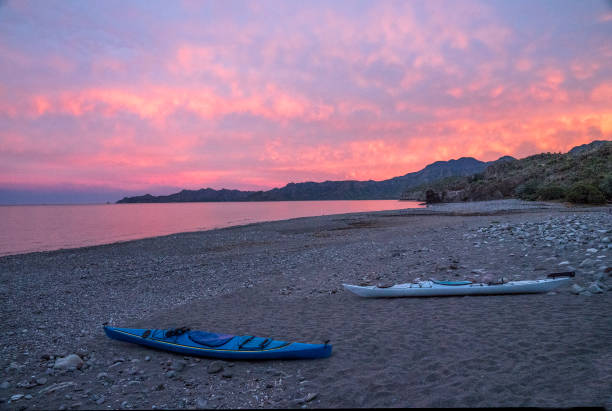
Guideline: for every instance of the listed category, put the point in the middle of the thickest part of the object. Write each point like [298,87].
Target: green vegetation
[528,190]
[585,193]
[606,186]
[583,175]
[551,192]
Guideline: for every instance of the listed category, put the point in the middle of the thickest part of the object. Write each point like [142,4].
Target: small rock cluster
[124,383]
[582,242]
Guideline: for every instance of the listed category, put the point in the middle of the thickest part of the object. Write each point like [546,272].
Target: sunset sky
[100,99]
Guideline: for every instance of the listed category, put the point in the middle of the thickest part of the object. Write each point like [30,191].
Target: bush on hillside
[584,193]
[475,177]
[528,190]
[551,192]
[606,186]
[432,197]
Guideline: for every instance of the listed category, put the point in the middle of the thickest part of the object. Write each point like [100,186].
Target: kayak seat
[451,282]
[209,339]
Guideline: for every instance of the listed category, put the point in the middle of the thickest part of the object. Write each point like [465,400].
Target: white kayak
[442,288]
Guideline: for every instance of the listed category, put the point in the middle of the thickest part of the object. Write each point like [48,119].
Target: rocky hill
[331,190]
[582,175]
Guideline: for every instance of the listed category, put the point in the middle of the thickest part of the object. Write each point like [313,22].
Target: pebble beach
[284,279]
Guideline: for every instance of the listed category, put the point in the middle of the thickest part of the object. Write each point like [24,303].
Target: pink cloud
[322,93]
[583,70]
[455,92]
[606,17]
[602,93]
[523,64]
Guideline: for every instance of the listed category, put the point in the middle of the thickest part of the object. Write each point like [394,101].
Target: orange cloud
[156,103]
[325,93]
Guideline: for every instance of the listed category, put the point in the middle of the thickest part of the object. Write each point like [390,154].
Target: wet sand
[283,279]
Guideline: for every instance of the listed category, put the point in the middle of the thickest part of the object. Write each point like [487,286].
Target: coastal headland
[284,279]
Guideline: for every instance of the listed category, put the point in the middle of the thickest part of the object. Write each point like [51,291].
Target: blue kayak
[225,346]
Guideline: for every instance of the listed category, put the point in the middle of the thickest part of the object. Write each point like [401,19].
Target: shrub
[606,186]
[432,197]
[476,177]
[586,194]
[528,190]
[551,192]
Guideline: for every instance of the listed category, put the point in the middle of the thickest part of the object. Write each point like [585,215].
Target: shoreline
[499,350]
[481,208]
[92,231]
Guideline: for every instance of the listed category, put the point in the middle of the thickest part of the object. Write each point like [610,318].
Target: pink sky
[147,96]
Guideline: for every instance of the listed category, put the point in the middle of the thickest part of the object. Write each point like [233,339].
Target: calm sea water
[50,227]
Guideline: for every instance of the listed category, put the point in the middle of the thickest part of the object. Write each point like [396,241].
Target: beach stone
[27,384]
[576,289]
[104,376]
[275,373]
[201,403]
[178,365]
[70,362]
[600,277]
[16,397]
[101,400]
[564,263]
[41,381]
[586,293]
[13,367]
[5,385]
[594,288]
[55,387]
[215,367]
[309,397]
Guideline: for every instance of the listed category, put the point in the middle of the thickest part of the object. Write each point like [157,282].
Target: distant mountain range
[582,175]
[464,179]
[331,190]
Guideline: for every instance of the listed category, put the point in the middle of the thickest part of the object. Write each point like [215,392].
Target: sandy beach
[284,280]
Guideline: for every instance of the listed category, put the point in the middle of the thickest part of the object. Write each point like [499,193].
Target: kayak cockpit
[451,282]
